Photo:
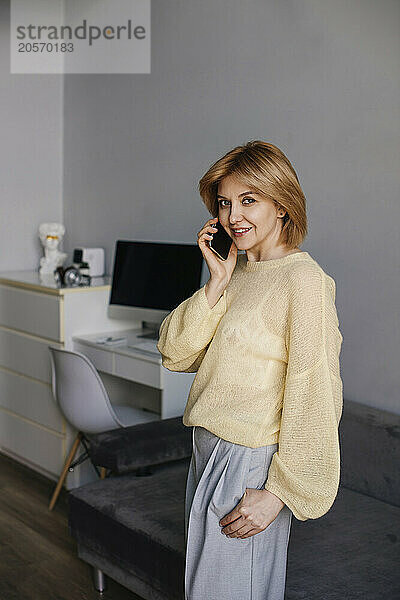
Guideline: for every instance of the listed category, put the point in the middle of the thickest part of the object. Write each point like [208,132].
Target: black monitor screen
[154,274]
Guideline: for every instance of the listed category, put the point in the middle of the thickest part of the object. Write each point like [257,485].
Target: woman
[263,336]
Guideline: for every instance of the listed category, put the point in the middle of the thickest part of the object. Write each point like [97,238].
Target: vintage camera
[71,277]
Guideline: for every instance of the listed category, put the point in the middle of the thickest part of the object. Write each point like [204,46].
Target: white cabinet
[34,316]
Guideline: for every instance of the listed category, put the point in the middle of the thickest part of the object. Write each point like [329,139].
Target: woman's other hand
[255,511]
[220,270]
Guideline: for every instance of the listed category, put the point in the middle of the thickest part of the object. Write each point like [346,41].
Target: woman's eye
[221,202]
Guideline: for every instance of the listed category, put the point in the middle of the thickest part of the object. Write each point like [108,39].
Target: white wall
[31,129]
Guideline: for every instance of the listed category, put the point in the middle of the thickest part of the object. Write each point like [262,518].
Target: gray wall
[320,79]
[31,129]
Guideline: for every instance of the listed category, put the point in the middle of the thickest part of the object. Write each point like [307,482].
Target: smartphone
[221,242]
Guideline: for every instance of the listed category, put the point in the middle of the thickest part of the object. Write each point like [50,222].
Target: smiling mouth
[242,231]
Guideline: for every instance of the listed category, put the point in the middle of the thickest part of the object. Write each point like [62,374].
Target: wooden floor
[38,559]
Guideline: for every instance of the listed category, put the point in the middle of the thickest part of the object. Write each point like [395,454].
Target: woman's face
[239,207]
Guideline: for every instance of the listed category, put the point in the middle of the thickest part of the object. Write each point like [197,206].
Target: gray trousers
[219,567]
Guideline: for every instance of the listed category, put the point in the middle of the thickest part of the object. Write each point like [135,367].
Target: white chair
[83,399]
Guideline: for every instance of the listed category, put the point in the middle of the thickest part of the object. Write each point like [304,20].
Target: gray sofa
[131,526]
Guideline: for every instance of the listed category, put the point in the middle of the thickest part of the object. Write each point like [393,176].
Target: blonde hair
[268,172]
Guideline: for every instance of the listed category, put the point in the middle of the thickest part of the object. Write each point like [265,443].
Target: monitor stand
[151,329]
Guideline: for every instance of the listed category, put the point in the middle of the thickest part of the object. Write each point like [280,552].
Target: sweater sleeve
[187,331]
[304,473]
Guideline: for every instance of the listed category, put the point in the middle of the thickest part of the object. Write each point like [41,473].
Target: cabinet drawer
[30,399]
[31,443]
[30,311]
[25,355]
[101,359]
[138,370]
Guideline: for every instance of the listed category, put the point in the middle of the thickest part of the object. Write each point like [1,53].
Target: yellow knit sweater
[267,362]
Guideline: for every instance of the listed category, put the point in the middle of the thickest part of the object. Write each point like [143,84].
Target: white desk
[162,391]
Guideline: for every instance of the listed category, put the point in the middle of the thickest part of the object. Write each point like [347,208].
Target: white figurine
[51,234]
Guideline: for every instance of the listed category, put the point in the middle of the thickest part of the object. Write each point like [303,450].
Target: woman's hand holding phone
[220,270]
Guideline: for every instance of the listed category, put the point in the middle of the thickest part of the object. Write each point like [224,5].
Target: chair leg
[65,470]
[99,580]
[103,473]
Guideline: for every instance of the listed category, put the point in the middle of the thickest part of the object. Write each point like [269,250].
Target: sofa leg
[99,580]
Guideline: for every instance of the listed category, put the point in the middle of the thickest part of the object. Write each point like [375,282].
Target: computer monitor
[150,279]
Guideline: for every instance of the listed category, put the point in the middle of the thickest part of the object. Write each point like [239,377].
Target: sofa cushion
[353,551]
[151,443]
[137,523]
[370,451]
